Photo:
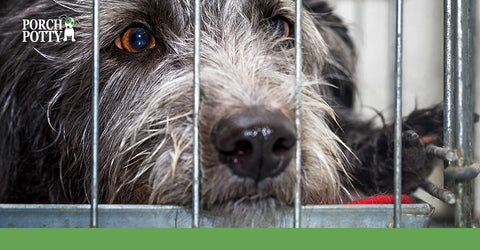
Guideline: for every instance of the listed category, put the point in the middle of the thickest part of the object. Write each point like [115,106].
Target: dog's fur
[146,107]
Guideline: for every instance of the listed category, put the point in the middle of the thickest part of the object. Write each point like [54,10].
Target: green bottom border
[246,239]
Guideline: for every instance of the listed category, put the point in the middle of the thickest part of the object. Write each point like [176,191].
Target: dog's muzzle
[255,143]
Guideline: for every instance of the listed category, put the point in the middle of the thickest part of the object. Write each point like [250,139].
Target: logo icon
[69,32]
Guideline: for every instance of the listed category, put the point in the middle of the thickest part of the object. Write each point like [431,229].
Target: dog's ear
[323,13]
[339,69]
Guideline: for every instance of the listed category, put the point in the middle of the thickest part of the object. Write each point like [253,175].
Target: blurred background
[371,23]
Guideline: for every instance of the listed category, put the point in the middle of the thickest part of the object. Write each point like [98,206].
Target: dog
[246,119]
[69,22]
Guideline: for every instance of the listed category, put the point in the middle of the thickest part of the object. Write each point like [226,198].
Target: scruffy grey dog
[247,131]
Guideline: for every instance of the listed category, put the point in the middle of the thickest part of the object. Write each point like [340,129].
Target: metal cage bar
[298,112]
[154,216]
[96,63]
[196,108]
[450,80]
[459,22]
[398,112]
[464,108]
[448,76]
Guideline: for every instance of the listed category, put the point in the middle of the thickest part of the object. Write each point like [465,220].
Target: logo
[48,30]
[69,29]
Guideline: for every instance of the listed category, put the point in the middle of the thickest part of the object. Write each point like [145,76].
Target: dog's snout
[255,143]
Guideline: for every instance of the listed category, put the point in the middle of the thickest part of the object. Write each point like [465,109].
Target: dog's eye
[135,40]
[279,28]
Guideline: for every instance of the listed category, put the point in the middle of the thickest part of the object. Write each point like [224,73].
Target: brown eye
[279,28]
[135,40]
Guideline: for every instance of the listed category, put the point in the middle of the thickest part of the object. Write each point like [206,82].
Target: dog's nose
[255,143]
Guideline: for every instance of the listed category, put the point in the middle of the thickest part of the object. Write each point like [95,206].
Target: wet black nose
[255,143]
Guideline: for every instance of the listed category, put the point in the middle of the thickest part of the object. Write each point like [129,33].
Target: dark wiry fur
[145,105]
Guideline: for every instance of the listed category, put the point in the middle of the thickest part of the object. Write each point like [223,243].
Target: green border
[245,239]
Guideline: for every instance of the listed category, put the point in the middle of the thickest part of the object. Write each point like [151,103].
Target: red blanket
[382,199]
